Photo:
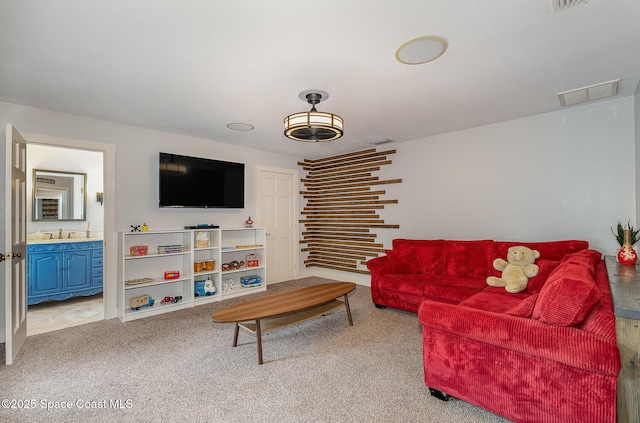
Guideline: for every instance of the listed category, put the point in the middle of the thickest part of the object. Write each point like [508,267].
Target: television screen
[197,182]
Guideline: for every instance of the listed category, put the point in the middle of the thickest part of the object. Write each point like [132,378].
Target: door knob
[16,255]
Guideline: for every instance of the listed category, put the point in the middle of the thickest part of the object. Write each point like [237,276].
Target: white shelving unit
[200,255]
[236,245]
[205,254]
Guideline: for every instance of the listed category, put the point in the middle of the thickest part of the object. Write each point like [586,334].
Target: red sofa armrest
[379,265]
[568,345]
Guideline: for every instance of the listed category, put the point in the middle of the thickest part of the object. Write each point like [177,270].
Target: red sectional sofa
[547,354]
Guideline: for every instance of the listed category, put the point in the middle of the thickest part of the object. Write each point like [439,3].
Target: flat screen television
[197,182]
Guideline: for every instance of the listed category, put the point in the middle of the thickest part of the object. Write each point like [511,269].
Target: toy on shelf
[145,228]
[248,223]
[233,265]
[202,239]
[138,281]
[172,274]
[227,285]
[252,260]
[141,301]
[205,288]
[138,250]
[250,281]
[167,300]
[135,228]
[168,249]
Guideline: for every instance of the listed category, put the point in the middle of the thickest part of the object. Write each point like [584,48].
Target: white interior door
[278,204]
[15,247]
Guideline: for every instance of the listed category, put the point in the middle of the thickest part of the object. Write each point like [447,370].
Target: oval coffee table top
[284,302]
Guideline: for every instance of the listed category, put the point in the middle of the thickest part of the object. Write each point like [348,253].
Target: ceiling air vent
[590,93]
[380,142]
[560,5]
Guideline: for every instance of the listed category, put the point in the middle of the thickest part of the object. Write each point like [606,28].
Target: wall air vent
[560,5]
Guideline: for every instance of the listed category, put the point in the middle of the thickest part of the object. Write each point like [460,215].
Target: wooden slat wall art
[343,197]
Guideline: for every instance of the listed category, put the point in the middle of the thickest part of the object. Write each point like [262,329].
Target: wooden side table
[625,290]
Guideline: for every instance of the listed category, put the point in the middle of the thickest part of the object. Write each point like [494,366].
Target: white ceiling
[192,66]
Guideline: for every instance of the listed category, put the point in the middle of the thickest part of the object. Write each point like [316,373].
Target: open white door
[15,232]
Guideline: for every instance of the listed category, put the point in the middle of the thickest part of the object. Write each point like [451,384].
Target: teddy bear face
[522,256]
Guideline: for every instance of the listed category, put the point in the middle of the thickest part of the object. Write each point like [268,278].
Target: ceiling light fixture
[313,126]
[421,50]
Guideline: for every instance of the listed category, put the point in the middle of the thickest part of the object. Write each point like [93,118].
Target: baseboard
[341,276]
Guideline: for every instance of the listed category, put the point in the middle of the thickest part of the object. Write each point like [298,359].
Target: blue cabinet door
[45,273]
[63,270]
[77,270]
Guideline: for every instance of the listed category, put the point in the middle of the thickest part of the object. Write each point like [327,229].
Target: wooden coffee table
[285,308]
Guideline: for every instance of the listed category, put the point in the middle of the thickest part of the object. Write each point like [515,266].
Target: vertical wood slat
[340,209]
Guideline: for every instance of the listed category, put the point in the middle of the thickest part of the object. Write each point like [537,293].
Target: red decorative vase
[627,254]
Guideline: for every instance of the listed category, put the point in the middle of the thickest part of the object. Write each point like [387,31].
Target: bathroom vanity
[59,269]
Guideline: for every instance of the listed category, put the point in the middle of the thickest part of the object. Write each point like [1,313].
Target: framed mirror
[59,196]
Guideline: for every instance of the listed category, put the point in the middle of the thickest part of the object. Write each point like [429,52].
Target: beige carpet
[181,367]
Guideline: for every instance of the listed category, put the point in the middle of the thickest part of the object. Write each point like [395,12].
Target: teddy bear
[517,270]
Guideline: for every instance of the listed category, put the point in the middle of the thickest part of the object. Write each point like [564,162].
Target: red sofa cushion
[412,284]
[549,250]
[451,290]
[430,256]
[587,258]
[536,283]
[468,259]
[524,308]
[399,264]
[420,255]
[493,300]
[567,297]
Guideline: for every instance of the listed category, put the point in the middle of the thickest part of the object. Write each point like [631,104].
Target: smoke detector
[560,5]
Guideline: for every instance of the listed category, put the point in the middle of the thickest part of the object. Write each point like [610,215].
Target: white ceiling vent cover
[590,93]
[560,5]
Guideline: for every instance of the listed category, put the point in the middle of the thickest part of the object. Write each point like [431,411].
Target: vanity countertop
[59,241]
[64,240]
[43,237]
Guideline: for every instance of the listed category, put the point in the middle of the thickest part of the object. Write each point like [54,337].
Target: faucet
[60,234]
[69,235]
[50,235]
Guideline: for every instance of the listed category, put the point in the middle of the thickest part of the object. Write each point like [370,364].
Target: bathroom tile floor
[55,315]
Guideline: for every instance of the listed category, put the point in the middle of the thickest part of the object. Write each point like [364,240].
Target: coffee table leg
[235,335]
[346,304]
[259,336]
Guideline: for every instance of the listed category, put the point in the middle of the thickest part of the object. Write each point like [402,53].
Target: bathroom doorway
[65,265]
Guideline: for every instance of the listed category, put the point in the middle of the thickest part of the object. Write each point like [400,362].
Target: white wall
[136,157]
[67,160]
[137,165]
[563,175]
[560,175]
